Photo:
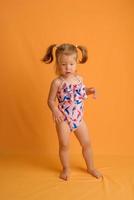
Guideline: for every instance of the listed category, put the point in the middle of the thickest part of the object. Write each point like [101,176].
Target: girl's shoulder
[80,77]
[56,81]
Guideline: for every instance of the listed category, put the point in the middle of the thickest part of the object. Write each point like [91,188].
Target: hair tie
[57,46]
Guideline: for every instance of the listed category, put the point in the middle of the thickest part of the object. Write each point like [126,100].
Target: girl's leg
[63,132]
[82,135]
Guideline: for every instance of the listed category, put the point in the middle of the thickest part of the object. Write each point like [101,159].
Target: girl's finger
[62,118]
[94,96]
[58,119]
[92,88]
[53,118]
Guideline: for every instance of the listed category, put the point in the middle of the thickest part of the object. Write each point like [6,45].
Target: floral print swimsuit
[70,102]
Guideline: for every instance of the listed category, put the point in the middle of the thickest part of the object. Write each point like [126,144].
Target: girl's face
[67,64]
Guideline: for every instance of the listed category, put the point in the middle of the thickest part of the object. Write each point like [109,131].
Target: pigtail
[84,53]
[48,57]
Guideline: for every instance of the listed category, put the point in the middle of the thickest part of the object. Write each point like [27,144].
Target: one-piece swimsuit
[71,102]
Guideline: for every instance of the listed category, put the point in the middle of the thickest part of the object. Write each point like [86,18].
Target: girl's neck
[71,76]
[71,80]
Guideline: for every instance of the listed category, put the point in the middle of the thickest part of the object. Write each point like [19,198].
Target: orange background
[27,29]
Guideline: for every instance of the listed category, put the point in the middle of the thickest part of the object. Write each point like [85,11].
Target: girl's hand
[91,90]
[57,115]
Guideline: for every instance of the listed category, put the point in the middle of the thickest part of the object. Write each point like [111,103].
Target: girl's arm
[56,113]
[90,90]
[52,95]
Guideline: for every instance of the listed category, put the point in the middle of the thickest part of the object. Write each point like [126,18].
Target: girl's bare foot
[64,174]
[95,173]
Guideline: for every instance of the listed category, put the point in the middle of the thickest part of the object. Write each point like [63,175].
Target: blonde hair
[64,49]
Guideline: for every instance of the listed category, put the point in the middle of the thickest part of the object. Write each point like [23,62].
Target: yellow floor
[36,178]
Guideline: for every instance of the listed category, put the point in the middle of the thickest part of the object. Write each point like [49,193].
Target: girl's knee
[86,145]
[64,146]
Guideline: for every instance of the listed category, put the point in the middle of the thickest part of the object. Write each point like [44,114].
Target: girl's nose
[68,67]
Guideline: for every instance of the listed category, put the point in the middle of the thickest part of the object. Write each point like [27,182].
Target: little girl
[70,92]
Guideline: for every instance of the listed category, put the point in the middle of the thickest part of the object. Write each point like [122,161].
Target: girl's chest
[71,92]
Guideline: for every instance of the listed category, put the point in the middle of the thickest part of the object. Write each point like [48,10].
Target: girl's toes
[95,173]
[64,175]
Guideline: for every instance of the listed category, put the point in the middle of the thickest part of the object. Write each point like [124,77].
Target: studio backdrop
[27,29]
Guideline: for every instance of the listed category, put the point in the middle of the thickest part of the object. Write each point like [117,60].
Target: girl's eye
[65,64]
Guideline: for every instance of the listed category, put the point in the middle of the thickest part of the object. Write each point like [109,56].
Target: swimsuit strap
[67,81]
